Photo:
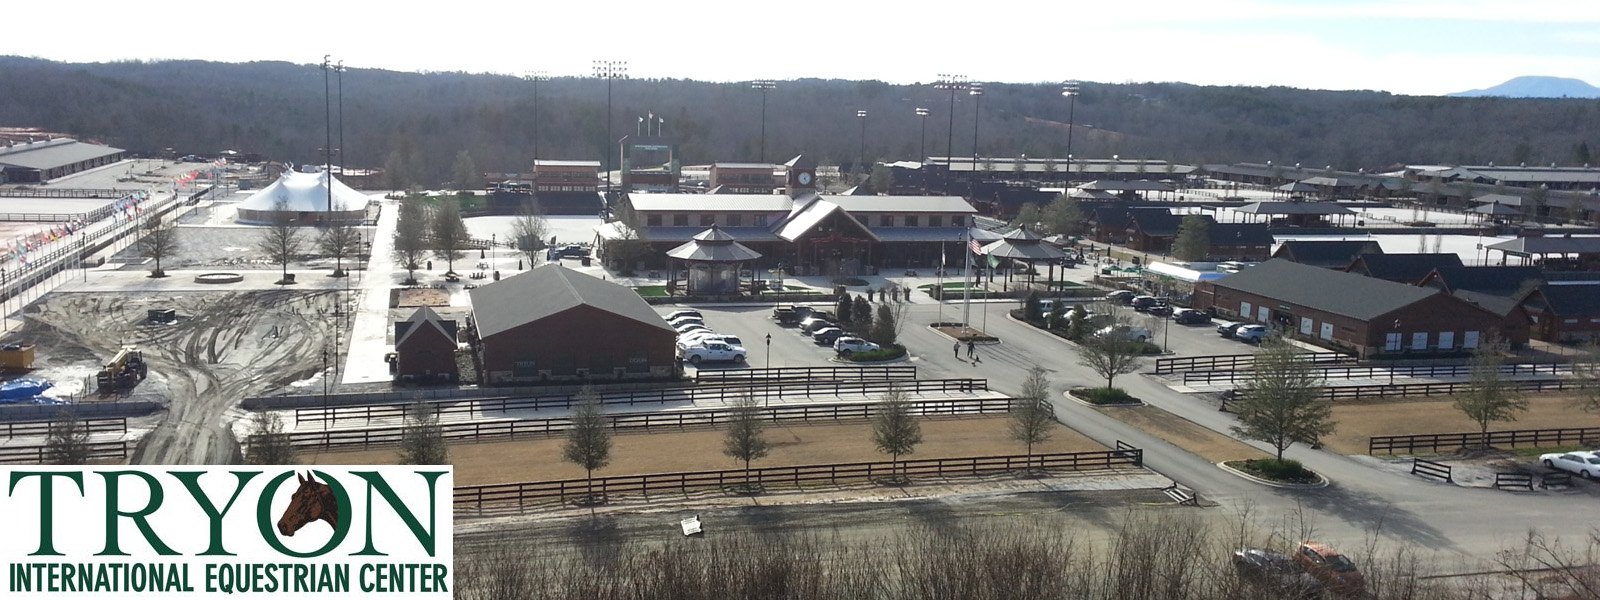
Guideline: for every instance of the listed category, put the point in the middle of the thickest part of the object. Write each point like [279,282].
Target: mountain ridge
[1535,86]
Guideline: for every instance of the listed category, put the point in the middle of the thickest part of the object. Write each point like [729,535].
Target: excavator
[124,371]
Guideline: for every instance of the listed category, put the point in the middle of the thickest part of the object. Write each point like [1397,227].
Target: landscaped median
[1185,434]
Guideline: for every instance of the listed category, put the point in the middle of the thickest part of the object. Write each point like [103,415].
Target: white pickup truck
[711,351]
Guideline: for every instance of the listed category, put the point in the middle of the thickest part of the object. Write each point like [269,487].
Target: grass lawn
[1359,421]
[952,285]
[652,291]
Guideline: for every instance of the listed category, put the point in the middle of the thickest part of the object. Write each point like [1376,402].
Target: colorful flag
[975,247]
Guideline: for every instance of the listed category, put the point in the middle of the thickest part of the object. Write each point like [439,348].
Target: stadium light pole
[609,70]
[922,149]
[952,83]
[764,86]
[327,148]
[976,91]
[339,71]
[535,76]
[1070,90]
[862,161]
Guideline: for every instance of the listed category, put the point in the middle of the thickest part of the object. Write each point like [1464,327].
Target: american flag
[976,248]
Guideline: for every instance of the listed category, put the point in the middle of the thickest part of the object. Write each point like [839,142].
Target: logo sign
[213,532]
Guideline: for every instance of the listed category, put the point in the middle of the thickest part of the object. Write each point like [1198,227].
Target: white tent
[304,197]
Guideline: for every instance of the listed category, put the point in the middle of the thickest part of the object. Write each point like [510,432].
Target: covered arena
[304,199]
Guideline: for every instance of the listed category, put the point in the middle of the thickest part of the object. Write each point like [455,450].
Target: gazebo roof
[1021,234]
[713,245]
[1296,186]
[1495,208]
[1023,245]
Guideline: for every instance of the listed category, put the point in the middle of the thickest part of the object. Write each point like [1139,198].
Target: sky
[1420,47]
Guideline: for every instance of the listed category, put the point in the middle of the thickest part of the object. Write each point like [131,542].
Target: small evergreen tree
[269,445]
[1193,242]
[844,309]
[861,317]
[1031,311]
[1078,324]
[885,328]
[422,440]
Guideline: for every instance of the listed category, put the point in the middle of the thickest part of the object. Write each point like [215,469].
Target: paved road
[1361,499]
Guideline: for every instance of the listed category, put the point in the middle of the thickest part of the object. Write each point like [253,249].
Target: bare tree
[1489,397]
[629,244]
[746,439]
[160,241]
[422,440]
[68,440]
[339,240]
[281,240]
[1281,404]
[895,430]
[449,232]
[411,235]
[269,445]
[588,442]
[1112,353]
[529,230]
[1032,415]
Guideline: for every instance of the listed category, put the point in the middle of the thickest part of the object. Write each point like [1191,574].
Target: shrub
[1286,470]
[1105,396]
[888,353]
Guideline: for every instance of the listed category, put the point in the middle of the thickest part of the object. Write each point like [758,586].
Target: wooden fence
[1354,392]
[762,390]
[93,426]
[475,431]
[1355,372]
[1410,444]
[1176,364]
[112,450]
[744,376]
[517,494]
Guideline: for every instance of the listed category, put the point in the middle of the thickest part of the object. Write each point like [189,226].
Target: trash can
[585,261]
[289,277]
[497,276]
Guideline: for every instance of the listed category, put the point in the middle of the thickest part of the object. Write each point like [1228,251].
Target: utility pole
[609,70]
[952,83]
[535,76]
[976,92]
[327,148]
[1070,90]
[764,86]
[862,161]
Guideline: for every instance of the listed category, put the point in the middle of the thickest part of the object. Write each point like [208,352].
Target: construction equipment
[16,357]
[124,371]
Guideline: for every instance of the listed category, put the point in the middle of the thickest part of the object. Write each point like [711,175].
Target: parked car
[1144,303]
[1277,572]
[683,313]
[1332,568]
[827,335]
[786,315]
[811,324]
[1583,464]
[700,337]
[572,251]
[1227,328]
[1251,334]
[1160,310]
[1120,297]
[1189,316]
[850,345]
[1137,334]
[685,321]
[690,328]
[711,351]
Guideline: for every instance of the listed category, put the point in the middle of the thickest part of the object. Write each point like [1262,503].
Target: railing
[1349,392]
[474,431]
[1167,366]
[1513,480]
[1355,372]
[113,450]
[50,192]
[1428,468]
[889,373]
[92,426]
[723,393]
[800,476]
[1391,444]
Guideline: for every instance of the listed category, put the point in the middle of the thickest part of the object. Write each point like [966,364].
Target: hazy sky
[1403,46]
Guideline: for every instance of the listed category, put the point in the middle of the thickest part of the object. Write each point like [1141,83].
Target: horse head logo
[313,501]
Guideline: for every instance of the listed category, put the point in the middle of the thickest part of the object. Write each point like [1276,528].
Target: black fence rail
[516,494]
[1513,480]
[1353,392]
[112,450]
[887,373]
[1363,371]
[13,429]
[476,431]
[1428,468]
[1176,364]
[50,192]
[761,390]
[1410,444]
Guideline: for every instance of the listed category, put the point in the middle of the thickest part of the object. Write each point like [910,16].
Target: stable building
[425,348]
[552,324]
[39,161]
[1328,254]
[1402,268]
[1343,311]
[1564,311]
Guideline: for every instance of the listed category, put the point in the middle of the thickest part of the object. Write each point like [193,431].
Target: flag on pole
[976,248]
[941,256]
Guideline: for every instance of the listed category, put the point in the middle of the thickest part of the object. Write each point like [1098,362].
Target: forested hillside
[277,109]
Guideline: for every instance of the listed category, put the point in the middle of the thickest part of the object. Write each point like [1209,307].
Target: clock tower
[802,176]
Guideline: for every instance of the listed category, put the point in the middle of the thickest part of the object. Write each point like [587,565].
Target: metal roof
[567,163]
[1572,299]
[1551,245]
[713,245]
[1142,185]
[1331,254]
[916,204]
[931,234]
[711,202]
[548,290]
[59,152]
[1337,292]
[1495,208]
[1239,234]
[737,165]
[1410,268]
[1294,208]
[684,234]
[423,318]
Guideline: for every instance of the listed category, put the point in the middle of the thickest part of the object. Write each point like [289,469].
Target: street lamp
[764,86]
[977,104]
[609,70]
[1399,343]
[769,351]
[952,83]
[535,77]
[862,161]
[1070,90]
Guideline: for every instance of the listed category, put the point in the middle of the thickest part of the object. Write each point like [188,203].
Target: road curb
[1068,394]
[1321,483]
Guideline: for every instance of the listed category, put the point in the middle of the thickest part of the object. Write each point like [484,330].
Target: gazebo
[1025,246]
[712,260]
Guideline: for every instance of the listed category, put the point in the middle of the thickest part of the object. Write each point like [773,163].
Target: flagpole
[938,296]
[966,287]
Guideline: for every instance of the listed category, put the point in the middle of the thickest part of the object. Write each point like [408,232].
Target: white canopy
[303,193]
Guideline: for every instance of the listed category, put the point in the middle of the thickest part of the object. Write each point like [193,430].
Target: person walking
[972,349]
[958,349]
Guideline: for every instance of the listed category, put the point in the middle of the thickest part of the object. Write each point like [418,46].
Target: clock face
[804,178]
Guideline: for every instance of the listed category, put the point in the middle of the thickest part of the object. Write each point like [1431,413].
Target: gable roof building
[1328,254]
[1403,268]
[425,347]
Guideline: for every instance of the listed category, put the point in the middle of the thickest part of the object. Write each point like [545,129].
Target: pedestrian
[958,349]
[972,349]
[870,291]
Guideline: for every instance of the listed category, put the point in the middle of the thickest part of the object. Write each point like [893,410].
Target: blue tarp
[25,391]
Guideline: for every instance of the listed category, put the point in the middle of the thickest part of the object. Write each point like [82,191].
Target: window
[1570,321]
[708,220]
[638,362]
[653,220]
[760,221]
[735,220]
[1391,342]
[1419,340]
[886,220]
[1327,331]
[1470,340]
[1244,310]
[1305,325]
[936,221]
[680,220]
[1263,313]
[958,221]
[911,220]
[524,368]
[1447,340]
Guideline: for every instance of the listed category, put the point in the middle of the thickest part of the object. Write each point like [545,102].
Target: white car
[700,337]
[711,351]
[685,320]
[1584,464]
[690,328]
[1137,334]
[1250,334]
[851,345]
[683,313]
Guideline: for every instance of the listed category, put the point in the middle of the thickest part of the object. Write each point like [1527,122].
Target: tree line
[420,123]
